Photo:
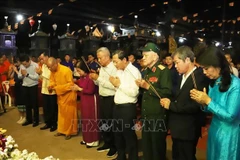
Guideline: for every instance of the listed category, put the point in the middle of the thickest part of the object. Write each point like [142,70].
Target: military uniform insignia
[153,79]
[154,69]
[161,67]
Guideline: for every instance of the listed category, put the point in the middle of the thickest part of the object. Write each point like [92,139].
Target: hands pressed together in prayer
[23,72]
[50,89]
[93,76]
[14,69]
[165,102]
[115,81]
[76,88]
[38,70]
[200,96]
[142,83]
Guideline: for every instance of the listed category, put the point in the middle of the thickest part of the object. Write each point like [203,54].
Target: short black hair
[121,54]
[15,59]
[45,54]
[81,65]
[168,55]
[24,57]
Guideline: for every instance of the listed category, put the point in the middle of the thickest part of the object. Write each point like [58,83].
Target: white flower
[15,153]
[11,153]
[5,150]
[50,158]
[10,146]
[3,155]
[25,152]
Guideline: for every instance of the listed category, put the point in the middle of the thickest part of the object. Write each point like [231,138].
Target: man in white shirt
[125,100]
[29,76]
[106,103]
[50,107]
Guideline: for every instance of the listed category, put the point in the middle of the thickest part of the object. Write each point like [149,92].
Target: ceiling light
[158,34]
[181,39]
[217,44]
[111,28]
[19,17]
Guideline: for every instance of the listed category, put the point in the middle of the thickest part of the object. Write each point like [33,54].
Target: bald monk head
[52,64]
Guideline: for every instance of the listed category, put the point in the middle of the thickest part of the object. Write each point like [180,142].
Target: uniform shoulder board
[162,67]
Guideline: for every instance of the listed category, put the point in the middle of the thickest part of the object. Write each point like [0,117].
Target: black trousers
[154,134]
[106,105]
[184,149]
[3,102]
[125,137]
[50,109]
[30,95]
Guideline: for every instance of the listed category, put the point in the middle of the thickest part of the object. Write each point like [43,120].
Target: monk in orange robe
[61,80]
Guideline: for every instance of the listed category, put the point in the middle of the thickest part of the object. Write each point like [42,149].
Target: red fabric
[3,77]
[89,109]
[7,64]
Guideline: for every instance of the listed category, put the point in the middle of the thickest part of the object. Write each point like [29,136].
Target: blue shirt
[68,64]
[93,66]
[32,78]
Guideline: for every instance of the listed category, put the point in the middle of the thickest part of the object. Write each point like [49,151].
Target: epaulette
[161,67]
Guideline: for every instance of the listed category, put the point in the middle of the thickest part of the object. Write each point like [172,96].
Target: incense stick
[195,86]
[194,80]
[103,68]
[153,89]
[85,62]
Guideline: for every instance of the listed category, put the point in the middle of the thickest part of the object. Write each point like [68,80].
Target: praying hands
[200,96]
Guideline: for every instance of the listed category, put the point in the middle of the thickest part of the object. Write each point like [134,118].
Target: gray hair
[105,50]
[184,52]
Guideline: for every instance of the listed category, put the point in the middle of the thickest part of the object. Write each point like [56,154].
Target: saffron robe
[61,81]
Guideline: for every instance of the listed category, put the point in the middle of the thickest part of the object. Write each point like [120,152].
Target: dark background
[88,12]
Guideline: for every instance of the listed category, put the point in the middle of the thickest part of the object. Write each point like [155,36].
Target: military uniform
[154,116]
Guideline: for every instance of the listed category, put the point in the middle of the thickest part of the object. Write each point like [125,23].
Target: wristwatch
[27,75]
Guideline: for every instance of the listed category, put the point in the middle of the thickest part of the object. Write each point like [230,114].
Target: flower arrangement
[9,151]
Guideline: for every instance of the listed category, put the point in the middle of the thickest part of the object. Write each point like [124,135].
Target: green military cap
[150,47]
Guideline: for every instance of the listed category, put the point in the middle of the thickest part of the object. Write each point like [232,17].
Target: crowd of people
[173,93]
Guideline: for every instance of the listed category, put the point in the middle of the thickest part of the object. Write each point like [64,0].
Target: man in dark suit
[185,114]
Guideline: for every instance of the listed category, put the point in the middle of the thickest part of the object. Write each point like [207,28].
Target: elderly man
[106,103]
[61,81]
[50,108]
[156,84]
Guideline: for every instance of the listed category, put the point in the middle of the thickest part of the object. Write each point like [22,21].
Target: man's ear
[187,60]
